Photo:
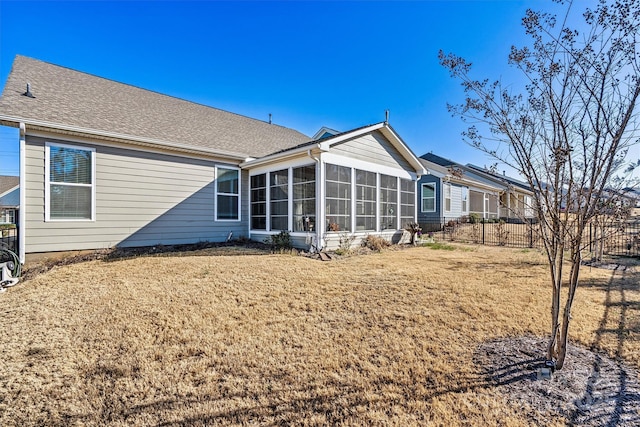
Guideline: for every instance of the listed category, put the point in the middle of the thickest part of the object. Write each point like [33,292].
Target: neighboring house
[9,199]
[453,191]
[449,193]
[516,201]
[106,164]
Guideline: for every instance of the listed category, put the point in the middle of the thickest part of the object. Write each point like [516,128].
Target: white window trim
[444,197]
[239,195]
[47,182]
[422,209]
[464,191]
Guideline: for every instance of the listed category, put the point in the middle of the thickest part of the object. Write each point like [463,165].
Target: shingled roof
[8,182]
[69,98]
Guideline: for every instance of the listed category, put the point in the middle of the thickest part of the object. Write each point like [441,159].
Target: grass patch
[440,246]
[386,339]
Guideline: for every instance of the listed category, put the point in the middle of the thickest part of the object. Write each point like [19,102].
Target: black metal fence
[612,239]
[9,238]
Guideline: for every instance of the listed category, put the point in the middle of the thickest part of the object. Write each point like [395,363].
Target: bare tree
[568,133]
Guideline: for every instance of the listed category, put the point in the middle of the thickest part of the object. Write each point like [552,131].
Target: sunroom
[347,185]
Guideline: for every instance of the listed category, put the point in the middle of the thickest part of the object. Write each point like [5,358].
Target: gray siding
[374,148]
[141,199]
[456,203]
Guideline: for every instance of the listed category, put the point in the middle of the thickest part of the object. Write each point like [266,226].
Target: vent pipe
[386,117]
[269,118]
[28,93]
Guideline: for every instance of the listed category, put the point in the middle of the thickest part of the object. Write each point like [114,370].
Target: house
[450,194]
[9,199]
[452,191]
[106,164]
[516,201]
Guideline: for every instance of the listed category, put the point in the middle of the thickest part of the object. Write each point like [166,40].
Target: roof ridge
[151,91]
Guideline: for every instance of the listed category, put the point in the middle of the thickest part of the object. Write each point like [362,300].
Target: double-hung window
[465,199]
[69,182]
[429,197]
[446,188]
[227,194]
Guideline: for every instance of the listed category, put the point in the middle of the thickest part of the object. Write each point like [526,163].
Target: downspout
[23,194]
[319,210]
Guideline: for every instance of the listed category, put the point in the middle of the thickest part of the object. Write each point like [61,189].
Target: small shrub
[474,218]
[375,243]
[344,244]
[280,241]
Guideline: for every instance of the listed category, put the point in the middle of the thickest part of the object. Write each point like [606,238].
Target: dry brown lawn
[381,339]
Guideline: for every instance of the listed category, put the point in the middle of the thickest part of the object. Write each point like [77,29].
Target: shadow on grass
[616,312]
[332,404]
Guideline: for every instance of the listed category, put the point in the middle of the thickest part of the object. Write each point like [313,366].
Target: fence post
[590,238]
[482,221]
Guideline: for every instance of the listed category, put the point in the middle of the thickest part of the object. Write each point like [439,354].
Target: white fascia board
[435,173]
[279,157]
[293,162]
[353,134]
[134,140]
[10,190]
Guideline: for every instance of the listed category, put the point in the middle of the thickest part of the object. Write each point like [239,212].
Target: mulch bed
[590,390]
[124,253]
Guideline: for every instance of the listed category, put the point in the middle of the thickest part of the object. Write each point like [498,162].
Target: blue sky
[310,64]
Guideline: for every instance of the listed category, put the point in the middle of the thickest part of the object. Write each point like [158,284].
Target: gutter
[283,155]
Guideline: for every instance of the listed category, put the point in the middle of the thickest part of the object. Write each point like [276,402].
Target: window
[388,202]
[304,198]
[407,202]
[429,197]
[259,202]
[70,182]
[365,201]
[228,194]
[279,195]
[446,189]
[476,204]
[465,199]
[338,198]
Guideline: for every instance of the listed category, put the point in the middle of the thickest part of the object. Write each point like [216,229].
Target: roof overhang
[39,125]
[326,144]
[285,155]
